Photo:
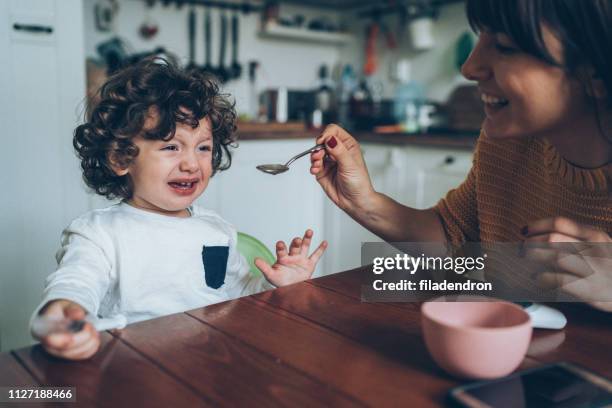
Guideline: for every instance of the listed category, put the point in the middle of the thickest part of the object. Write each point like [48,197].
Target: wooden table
[310,344]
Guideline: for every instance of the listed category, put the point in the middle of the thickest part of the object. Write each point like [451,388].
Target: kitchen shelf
[274,30]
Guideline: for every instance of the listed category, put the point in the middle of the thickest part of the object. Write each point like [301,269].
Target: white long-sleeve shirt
[126,264]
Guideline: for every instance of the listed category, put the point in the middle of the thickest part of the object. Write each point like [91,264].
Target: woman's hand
[340,169]
[294,265]
[583,270]
[73,346]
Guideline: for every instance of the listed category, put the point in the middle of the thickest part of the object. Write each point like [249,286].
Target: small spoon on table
[275,169]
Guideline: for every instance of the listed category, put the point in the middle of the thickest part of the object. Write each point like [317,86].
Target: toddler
[154,140]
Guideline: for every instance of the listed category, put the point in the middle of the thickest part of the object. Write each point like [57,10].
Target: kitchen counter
[442,139]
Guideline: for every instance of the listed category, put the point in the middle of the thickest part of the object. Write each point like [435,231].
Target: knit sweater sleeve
[458,211]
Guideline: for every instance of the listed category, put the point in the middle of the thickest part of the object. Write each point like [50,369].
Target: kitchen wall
[282,63]
[291,63]
[435,68]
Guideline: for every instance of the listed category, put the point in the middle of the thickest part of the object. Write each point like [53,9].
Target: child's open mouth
[183,187]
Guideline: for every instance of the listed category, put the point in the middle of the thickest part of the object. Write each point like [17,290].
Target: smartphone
[554,385]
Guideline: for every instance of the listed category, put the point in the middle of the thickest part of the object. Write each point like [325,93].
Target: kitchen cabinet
[42,78]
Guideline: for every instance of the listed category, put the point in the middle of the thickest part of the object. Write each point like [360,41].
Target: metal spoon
[281,168]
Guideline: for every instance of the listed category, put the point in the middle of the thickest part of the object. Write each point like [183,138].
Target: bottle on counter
[409,96]
[348,85]
[325,109]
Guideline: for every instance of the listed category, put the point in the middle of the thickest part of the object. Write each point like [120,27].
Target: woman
[542,169]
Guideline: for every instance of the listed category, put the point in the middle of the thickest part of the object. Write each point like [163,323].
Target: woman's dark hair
[584,28]
[127,99]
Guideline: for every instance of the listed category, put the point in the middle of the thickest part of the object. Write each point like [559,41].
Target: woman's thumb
[336,149]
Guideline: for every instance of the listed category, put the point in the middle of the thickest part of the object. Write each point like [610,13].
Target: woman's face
[522,95]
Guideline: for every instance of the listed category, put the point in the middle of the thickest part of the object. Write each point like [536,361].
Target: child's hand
[79,345]
[293,266]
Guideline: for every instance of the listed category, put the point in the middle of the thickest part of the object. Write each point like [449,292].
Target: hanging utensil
[235,70]
[149,27]
[191,22]
[208,67]
[253,105]
[371,63]
[221,69]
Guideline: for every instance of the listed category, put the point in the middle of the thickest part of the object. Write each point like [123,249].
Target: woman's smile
[493,104]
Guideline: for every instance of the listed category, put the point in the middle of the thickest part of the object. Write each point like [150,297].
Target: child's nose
[189,163]
[477,66]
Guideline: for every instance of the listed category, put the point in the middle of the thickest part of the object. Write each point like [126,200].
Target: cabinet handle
[33,28]
[449,160]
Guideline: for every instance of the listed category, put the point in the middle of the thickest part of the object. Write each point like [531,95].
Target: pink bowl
[476,339]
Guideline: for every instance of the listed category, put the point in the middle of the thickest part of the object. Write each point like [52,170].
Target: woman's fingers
[336,132]
[569,284]
[560,227]
[317,161]
[317,156]
[558,260]
[552,237]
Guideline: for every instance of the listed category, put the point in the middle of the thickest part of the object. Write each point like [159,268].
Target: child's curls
[128,98]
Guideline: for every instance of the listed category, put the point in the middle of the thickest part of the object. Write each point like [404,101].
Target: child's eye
[204,148]
[170,147]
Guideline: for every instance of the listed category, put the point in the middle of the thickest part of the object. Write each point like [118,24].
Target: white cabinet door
[426,174]
[446,171]
[42,78]
[271,208]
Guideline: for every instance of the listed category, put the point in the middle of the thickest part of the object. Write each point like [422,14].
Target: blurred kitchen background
[386,70]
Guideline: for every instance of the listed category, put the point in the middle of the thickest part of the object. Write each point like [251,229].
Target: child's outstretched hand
[294,265]
[79,342]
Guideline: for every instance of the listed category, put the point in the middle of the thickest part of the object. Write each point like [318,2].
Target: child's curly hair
[125,102]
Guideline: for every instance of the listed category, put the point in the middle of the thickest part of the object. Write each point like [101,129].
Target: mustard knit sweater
[517,181]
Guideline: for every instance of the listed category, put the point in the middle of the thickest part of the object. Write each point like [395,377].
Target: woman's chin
[494,131]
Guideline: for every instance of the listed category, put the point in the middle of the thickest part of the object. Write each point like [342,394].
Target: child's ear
[116,166]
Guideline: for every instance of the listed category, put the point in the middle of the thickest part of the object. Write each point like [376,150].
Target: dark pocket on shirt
[215,265]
